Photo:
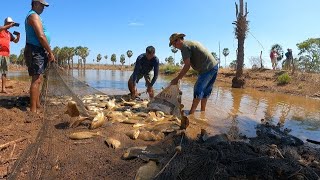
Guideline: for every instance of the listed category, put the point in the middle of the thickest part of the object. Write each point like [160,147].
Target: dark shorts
[4,63]
[204,84]
[146,77]
[36,59]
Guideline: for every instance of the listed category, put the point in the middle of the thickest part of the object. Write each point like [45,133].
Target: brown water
[228,110]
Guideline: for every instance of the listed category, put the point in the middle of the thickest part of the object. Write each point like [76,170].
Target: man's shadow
[20,102]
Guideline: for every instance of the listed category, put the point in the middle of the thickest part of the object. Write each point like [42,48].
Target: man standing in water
[143,66]
[37,51]
[200,59]
[5,38]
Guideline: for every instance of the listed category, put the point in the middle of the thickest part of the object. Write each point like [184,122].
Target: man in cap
[37,51]
[5,38]
[145,63]
[200,59]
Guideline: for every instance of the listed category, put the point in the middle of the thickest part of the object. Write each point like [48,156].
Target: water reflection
[231,111]
[18,75]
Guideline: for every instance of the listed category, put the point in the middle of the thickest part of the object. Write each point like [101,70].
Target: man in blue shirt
[37,51]
[145,63]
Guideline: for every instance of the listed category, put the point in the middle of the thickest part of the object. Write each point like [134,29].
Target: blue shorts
[36,59]
[204,84]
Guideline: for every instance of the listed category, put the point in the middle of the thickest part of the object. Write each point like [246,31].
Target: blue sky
[114,26]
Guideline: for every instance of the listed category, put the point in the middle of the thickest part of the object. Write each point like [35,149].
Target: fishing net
[40,155]
[259,158]
[54,156]
[168,101]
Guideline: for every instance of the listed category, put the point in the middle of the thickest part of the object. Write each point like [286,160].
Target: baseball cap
[8,20]
[175,36]
[42,2]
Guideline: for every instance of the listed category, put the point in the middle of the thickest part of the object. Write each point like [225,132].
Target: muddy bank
[19,129]
[301,84]
[193,154]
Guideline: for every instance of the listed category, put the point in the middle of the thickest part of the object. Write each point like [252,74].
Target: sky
[115,26]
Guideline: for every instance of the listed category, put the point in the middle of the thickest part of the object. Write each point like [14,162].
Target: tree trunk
[69,64]
[238,81]
[241,29]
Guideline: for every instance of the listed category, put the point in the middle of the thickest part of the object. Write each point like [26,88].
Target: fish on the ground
[75,121]
[128,103]
[136,125]
[98,120]
[133,134]
[72,109]
[160,114]
[111,104]
[130,121]
[142,114]
[147,136]
[83,135]
[147,171]
[116,116]
[127,113]
[113,143]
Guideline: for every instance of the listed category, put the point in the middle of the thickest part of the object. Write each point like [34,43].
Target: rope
[175,154]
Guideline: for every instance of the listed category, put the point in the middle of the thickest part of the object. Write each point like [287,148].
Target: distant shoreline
[301,84]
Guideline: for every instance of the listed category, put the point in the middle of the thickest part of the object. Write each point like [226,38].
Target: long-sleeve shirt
[143,67]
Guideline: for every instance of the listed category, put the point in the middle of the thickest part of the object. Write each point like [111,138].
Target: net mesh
[52,157]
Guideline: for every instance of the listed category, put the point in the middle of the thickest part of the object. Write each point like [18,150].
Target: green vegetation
[279,51]
[309,60]
[122,59]
[169,69]
[284,79]
[129,54]
[225,52]
[192,72]
[113,58]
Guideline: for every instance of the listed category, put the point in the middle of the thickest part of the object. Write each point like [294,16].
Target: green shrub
[169,69]
[284,79]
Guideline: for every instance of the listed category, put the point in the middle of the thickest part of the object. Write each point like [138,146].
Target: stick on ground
[5,145]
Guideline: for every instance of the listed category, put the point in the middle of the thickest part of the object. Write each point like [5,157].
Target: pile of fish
[147,124]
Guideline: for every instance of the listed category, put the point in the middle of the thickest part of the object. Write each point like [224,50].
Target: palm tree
[241,29]
[99,57]
[129,54]
[122,59]
[78,52]
[70,53]
[63,55]
[56,51]
[174,50]
[106,57]
[225,52]
[113,58]
[84,53]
